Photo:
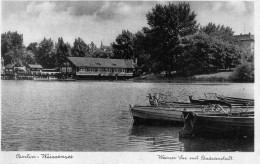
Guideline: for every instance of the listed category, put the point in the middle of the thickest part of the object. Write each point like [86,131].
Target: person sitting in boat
[153,100]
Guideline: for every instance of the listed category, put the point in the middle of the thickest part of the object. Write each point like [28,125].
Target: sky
[103,21]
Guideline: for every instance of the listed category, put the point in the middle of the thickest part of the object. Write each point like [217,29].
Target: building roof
[245,37]
[101,62]
[10,65]
[34,66]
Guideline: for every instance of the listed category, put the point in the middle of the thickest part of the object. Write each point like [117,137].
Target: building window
[82,69]
[69,69]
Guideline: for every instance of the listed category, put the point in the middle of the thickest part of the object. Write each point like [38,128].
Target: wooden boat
[231,102]
[234,101]
[210,98]
[217,124]
[237,101]
[208,102]
[162,111]
[160,114]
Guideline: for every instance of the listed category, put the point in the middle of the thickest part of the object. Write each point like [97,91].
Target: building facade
[50,71]
[97,67]
[10,69]
[246,42]
[34,69]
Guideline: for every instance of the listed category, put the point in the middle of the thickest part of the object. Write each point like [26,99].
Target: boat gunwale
[220,115]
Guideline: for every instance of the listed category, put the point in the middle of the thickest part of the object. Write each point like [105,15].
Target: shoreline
[187,81]
[220,77]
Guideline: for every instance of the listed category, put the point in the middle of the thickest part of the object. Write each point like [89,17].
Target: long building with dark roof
[97,67]
[247,42]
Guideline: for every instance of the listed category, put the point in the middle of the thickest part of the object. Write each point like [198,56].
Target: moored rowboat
[156,114]
[221,124]
[162,111]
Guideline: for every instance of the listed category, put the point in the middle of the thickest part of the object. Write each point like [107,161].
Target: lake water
[94,116]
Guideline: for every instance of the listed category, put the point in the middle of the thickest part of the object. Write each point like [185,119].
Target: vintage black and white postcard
[128,81]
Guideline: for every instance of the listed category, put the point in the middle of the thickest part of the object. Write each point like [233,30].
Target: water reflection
[166,138]
[218,144]
[156,138]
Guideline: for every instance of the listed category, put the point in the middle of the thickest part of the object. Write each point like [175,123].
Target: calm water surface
[94,116]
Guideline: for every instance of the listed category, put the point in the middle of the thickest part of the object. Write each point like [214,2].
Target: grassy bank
[215,77]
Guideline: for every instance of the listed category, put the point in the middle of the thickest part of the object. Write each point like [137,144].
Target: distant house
[13,68]
[9,69]
[247,42]
[97,67]
[34,69]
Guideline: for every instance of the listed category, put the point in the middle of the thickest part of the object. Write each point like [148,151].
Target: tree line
[173,41]
[47,53]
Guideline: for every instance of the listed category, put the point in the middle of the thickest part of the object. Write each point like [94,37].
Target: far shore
[220,77]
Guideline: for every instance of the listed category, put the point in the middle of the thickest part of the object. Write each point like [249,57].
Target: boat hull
[157,115]
[217,125]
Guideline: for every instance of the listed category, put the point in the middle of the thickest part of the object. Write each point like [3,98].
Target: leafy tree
[99,53]
[32,47]
[16,56]
[168,24]
[29,57]
[244,73]
[220,32]
[62,52]
[11,44]
[93,49]
[249,57]
[123,47]
[197,55]
[80,48]
[108,51]
[45,55]
[141,51]
[103,52]
[231,56]
[13,50]
[204,54]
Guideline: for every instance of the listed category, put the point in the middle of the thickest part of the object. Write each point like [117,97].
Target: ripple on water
[94,116]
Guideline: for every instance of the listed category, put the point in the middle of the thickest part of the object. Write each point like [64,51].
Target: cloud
[237,15]
[232,7]
[35,8]
[217,6]
[104,20]
[237,7]
[79,9]
[92,21]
